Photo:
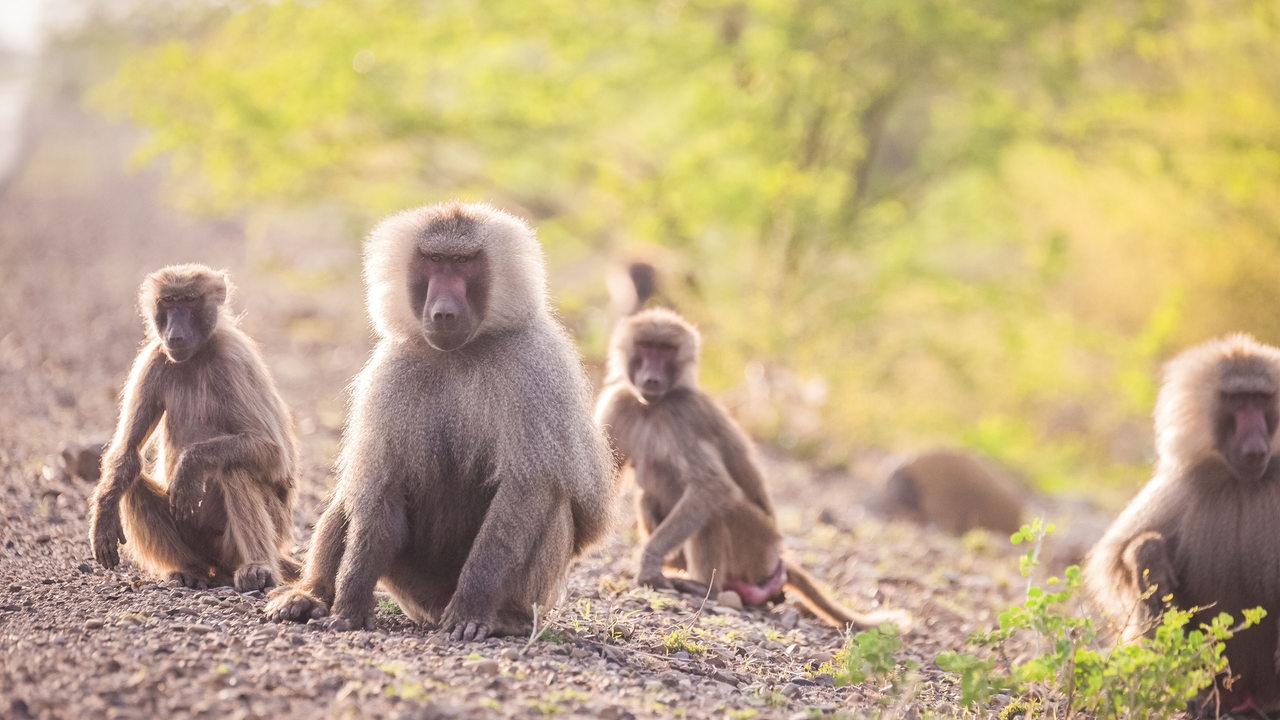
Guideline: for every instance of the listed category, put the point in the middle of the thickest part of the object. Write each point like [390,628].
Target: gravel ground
[77,234]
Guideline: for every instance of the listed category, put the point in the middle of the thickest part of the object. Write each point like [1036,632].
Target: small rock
[789,619]
[510,654]
[486,668]
[85,568]
[729,599]
[93,624]
[199,629]
[791,690]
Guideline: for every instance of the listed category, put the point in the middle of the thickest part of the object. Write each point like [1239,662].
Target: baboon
[703,506]
[630,287]
[1202,531]
[199,476]
[953,490]
[470,472]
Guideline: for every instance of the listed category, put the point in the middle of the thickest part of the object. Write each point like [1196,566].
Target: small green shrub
[867,655]
[1152,677]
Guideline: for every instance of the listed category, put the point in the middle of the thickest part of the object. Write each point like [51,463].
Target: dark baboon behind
[1203,530]
[470,471]
[703,506]
[198,480]
[952,490]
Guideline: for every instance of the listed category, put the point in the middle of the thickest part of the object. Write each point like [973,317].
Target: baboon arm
[700,502]
[246,450]
[140,411]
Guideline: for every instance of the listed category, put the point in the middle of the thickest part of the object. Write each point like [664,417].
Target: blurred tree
[910,222]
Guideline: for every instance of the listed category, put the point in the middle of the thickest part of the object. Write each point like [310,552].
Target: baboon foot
[190,578]
[291,604]
[254,576]
[467,631]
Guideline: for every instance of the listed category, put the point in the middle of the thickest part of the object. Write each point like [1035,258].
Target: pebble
[487,668]
[199,629]
[729,599]
[791,690]
[93,624]
[510,654]
[789,619]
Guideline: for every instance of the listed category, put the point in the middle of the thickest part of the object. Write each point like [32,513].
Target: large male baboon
[1203,530]
[470,472]
[703,504]
[214,505]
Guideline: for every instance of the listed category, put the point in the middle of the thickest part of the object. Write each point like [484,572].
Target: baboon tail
[818,602]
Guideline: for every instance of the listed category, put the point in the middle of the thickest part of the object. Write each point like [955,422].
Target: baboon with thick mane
[703,506]
[214,506]
[1203,530]
[470,472]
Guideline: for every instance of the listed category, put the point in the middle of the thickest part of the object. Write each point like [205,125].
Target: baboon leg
[422,596]
[521,551]
[650,518]
[155,539]
[249,540]
[313,596]
[374,536]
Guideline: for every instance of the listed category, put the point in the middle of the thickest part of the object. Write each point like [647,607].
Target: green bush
[1069,671]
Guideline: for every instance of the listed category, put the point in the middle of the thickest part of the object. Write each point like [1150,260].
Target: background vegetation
[898,223]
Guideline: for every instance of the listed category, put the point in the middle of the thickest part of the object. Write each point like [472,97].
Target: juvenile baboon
[952,490]
[470,472]
[199,476]
[703,505]
[1203,530]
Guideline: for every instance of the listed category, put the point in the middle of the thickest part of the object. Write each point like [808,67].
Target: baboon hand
[291,604]
[254,576]
[107,537]
[467,630]
[655,580]
[187,488]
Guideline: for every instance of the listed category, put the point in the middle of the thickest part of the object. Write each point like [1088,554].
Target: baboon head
[657,352]
[180,305]
[449,273]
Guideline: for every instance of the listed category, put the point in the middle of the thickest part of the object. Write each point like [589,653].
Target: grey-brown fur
[198,479]
[703,505]
[954,491]
[468,478]
[1198,531]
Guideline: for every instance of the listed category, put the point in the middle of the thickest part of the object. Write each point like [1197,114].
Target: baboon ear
[220,287]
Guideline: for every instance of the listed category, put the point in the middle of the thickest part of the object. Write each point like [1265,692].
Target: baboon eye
[436,258]
[168,299]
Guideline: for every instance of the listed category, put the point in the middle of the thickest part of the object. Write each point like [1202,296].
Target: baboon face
[653,368]
[184,309]
[449,293]
[1245,425]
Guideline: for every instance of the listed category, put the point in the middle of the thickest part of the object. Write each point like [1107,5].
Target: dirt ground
[77,234]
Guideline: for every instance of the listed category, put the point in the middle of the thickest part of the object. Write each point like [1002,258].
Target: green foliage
[1150,677]
[891,220]
[867,655]
[682,639]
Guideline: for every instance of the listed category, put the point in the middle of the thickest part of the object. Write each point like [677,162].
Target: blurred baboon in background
[952,490]
[470,471]
[199,477]
[1202,532]
[703,506]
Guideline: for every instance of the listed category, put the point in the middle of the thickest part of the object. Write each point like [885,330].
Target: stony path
[76,236]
